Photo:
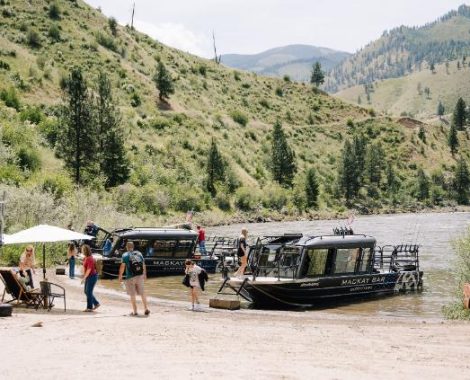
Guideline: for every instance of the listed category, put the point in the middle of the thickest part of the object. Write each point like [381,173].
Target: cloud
[177,36]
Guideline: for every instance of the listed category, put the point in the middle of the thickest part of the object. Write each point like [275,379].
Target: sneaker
[190,308]
[132,314]
[87,310]
[198,307]
[147,312]
[96,307]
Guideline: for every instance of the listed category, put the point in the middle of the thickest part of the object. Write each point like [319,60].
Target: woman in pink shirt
[90,277]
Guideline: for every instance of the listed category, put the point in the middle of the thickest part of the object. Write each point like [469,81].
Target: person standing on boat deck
[134,282]
[242,252]
[202,240]
[27,264]
[196,282]
[71,253]
[90,278]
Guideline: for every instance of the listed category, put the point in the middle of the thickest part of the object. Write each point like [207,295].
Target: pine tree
[461,182]
[77,143]
[452,139]
[422,134]
[113,160]
[112,23]
[440,109]
[311,188]
[422,186]
[359,153]
[215,168]
[164,83]
[392,180]
[283,165]
[348,175]
[459,116]
[374,167]
[318,76]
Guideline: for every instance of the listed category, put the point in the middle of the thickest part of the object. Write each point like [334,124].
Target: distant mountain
[293,60]
[405,50]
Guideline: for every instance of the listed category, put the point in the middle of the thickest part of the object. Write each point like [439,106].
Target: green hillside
[405,50]
[168,144]
[417,94]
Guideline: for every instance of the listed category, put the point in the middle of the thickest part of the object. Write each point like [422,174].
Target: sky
[253,26]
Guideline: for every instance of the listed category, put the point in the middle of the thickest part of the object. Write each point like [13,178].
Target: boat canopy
[337,241]
[155,233]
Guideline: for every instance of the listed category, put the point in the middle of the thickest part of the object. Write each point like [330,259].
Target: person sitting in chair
[28,264]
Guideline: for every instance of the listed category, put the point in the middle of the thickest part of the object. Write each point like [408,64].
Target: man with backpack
[133,263]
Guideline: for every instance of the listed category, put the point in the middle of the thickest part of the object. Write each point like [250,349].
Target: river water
[434,232]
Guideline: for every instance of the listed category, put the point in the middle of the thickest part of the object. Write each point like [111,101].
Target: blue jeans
[90,283]
[72,267]
[202,247]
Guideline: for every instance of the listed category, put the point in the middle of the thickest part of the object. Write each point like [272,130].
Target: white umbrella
[44,234]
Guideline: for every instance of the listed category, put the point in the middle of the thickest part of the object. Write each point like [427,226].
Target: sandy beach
[174,343]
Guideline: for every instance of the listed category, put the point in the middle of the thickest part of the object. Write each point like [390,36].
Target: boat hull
[157,267]
[309,293]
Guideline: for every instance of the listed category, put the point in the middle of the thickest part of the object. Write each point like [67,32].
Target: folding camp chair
[50,292]
[17,291]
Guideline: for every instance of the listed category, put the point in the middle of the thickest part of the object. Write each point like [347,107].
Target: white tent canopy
[44,234]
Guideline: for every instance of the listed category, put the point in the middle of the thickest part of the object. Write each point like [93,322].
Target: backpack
[136,264]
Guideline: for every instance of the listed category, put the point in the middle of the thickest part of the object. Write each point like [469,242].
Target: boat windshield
[278,262]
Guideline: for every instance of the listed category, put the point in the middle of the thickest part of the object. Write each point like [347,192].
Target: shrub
[54,11]
[33,39]
[264,103]
[246,199]
[274,197]
[236,76]
[202,70]
[31,114]
[286,78]
[28,159]
[10,174]
[106,41]
[54,33]
[135,100]
[239,117]
[159,123]
[112,23]
[57,184]
[187,198]
[461,269]
[279,92]
[4,65]
[222,201]
[10,98]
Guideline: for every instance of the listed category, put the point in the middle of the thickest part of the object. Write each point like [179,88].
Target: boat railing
[395,258]
[277,268]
